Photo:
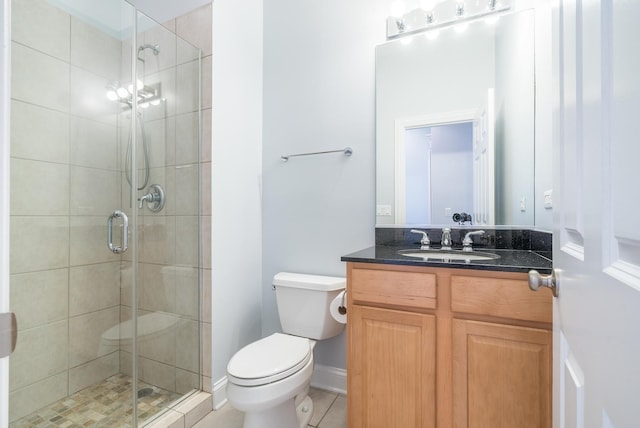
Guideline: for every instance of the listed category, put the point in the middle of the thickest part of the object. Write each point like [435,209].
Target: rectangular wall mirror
[455,125]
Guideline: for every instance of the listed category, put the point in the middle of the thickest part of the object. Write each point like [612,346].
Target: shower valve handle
[155,198]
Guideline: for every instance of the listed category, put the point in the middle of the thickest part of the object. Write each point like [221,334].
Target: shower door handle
[125,232]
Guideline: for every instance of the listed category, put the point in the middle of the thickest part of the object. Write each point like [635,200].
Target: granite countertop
[509,261]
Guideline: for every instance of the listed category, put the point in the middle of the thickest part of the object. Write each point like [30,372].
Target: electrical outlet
[548,199]
[383,210]
[523,204]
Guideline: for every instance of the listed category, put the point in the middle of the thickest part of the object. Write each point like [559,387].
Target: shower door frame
[5,82]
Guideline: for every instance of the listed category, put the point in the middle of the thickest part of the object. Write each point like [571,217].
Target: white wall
[515,115]
[236,168]
[318,95]
[163,10]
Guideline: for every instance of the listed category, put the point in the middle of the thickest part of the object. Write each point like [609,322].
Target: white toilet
[269,379]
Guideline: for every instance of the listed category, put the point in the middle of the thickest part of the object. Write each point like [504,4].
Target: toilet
[269,379]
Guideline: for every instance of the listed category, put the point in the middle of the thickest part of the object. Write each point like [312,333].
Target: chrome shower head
[154,48]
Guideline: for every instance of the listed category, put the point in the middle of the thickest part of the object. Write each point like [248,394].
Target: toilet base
[305,411]
[282,416]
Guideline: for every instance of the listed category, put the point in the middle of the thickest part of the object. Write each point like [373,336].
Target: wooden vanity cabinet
[436,347]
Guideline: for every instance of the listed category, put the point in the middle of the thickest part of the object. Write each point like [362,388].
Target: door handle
[550,281]
[8,333]
[125,232]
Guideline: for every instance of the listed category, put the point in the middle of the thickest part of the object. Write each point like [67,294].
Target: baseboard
[329,378]
[219,393]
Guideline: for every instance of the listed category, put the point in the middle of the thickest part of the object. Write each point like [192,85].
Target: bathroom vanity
[447,344]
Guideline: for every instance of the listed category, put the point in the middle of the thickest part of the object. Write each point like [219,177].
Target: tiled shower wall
[66,180]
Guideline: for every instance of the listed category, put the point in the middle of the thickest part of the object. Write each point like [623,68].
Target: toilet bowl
[269,379]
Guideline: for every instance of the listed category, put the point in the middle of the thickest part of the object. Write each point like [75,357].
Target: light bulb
[397,8]
[130,88]
[122,92]
[112,95]
[432,35]
[155,102]
[144,105]
[427,4]
[139,84]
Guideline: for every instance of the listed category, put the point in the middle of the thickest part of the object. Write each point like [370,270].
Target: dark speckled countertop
[509,261]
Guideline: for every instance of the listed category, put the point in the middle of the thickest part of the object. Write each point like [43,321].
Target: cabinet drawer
[410,289]
[507,298]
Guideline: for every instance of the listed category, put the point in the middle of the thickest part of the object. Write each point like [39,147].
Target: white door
[596,213]
[484,164]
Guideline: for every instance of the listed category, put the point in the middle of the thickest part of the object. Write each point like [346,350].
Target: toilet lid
[269,360]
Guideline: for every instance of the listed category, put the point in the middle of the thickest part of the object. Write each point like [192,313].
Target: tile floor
[106,404]
[329,411]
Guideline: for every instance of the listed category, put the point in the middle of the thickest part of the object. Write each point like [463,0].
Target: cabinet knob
[550,281]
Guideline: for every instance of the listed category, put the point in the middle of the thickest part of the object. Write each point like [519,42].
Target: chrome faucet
[424,242]
[467,241]
[445,242]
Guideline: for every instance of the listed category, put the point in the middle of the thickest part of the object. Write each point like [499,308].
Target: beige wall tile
[93,372]
[206,88]
[187,349]
[187,87]
[95,50]
[94,287]
[195,27]
[187,291]
[93,144]
[39,243]
[89,240]
[44,27]
[186,381]
[205,188]
[187,179]
[94,191]
[167,79]
[40,297]
[85,334]
[187,137]
[206,348]
[39,133]
[206,135]
[157,288]
[40,353]
[160,140]
[39,188]
[158,374]
[39,79]
[157,239]
[187,244]
[37,395]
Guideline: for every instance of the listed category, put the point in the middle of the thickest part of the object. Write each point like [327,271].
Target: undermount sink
[453,255]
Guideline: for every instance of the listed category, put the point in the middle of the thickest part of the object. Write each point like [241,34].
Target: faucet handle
[467,241]
[445,242]
[424,242]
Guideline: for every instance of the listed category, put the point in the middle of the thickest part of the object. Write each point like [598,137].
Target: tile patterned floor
[329,411]
[106,404]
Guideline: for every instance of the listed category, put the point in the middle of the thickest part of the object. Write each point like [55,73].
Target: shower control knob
[155,198]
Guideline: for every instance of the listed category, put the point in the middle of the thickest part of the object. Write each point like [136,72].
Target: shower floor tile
[105,404]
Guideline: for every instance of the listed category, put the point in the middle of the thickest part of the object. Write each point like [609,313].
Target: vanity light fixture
[422,20]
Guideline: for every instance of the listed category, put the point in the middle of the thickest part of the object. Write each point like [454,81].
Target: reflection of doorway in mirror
[438,172]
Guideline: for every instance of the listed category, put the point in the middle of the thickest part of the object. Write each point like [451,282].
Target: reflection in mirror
[478,89]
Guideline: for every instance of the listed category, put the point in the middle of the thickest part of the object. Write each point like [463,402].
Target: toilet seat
[268,360]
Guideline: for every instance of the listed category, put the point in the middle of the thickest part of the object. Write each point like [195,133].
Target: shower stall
[105,202]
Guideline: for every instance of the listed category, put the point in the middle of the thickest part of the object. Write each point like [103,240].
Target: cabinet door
[391,366]
[501,376]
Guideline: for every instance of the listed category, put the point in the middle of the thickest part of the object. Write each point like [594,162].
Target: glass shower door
[104,269]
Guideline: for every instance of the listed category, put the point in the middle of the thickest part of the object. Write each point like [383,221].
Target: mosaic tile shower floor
[103,405]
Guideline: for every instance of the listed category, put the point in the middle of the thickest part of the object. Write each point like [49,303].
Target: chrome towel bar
[348,151]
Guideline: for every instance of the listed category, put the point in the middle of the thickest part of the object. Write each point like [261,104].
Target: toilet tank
[303,304]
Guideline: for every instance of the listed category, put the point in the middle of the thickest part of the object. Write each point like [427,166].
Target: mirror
[455,126]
